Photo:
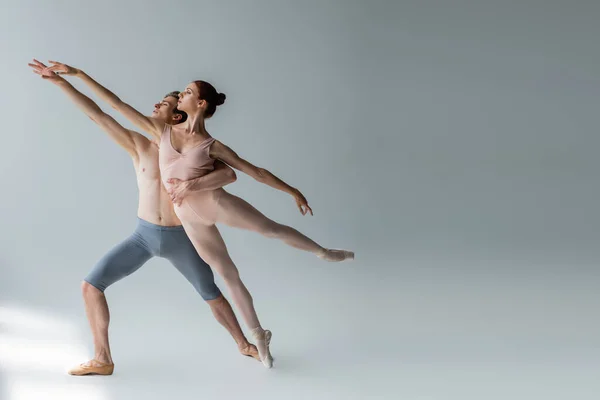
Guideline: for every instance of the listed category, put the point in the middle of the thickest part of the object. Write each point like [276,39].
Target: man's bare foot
[92,367]
[249,350]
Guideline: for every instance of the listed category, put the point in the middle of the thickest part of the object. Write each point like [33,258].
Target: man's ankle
[103,356]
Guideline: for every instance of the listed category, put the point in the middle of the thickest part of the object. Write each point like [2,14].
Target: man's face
[164,110]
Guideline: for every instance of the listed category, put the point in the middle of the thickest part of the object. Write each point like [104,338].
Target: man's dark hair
[175,94]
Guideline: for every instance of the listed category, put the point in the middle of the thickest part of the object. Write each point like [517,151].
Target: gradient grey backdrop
[452,144]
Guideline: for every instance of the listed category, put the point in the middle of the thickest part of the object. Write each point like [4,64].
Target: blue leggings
[147,241]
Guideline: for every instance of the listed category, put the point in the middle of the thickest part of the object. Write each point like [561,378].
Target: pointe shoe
[261,335]
[92,367]
[333,255]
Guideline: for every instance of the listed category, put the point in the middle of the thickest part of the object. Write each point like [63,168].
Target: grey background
[451,144]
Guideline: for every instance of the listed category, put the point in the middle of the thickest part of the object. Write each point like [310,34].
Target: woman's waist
[212,194]
[201,204]
[184,174]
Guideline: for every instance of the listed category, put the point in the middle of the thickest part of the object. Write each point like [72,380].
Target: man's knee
[87,289]
[216,302]
[209,292]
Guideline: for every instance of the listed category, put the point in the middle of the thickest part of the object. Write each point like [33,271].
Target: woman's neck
[195,124]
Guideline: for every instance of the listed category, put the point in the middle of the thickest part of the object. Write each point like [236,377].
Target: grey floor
[434,330]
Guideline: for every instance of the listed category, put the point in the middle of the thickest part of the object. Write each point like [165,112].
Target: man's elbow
[117,104]
[98,117]
[104,120]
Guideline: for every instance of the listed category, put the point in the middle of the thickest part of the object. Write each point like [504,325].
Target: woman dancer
[189,151]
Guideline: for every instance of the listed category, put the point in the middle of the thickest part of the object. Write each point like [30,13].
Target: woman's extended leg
[238,213]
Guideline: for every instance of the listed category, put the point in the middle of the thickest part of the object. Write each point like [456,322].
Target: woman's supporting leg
[210,246]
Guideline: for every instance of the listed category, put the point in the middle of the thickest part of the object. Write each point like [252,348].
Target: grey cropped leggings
[147,241]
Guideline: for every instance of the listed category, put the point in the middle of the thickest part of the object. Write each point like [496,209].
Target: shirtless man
[159,232]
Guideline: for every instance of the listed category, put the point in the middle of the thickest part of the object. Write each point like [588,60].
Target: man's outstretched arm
[127,139]
[150,125]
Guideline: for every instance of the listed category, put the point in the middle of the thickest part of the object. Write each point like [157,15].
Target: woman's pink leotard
[191,164]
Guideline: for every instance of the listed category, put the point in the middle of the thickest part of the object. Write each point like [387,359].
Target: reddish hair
[212,97]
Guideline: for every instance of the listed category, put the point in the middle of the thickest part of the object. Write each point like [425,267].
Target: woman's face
[189,99]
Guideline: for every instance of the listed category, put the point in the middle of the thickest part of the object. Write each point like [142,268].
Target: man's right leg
[98,316]
[122,260]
